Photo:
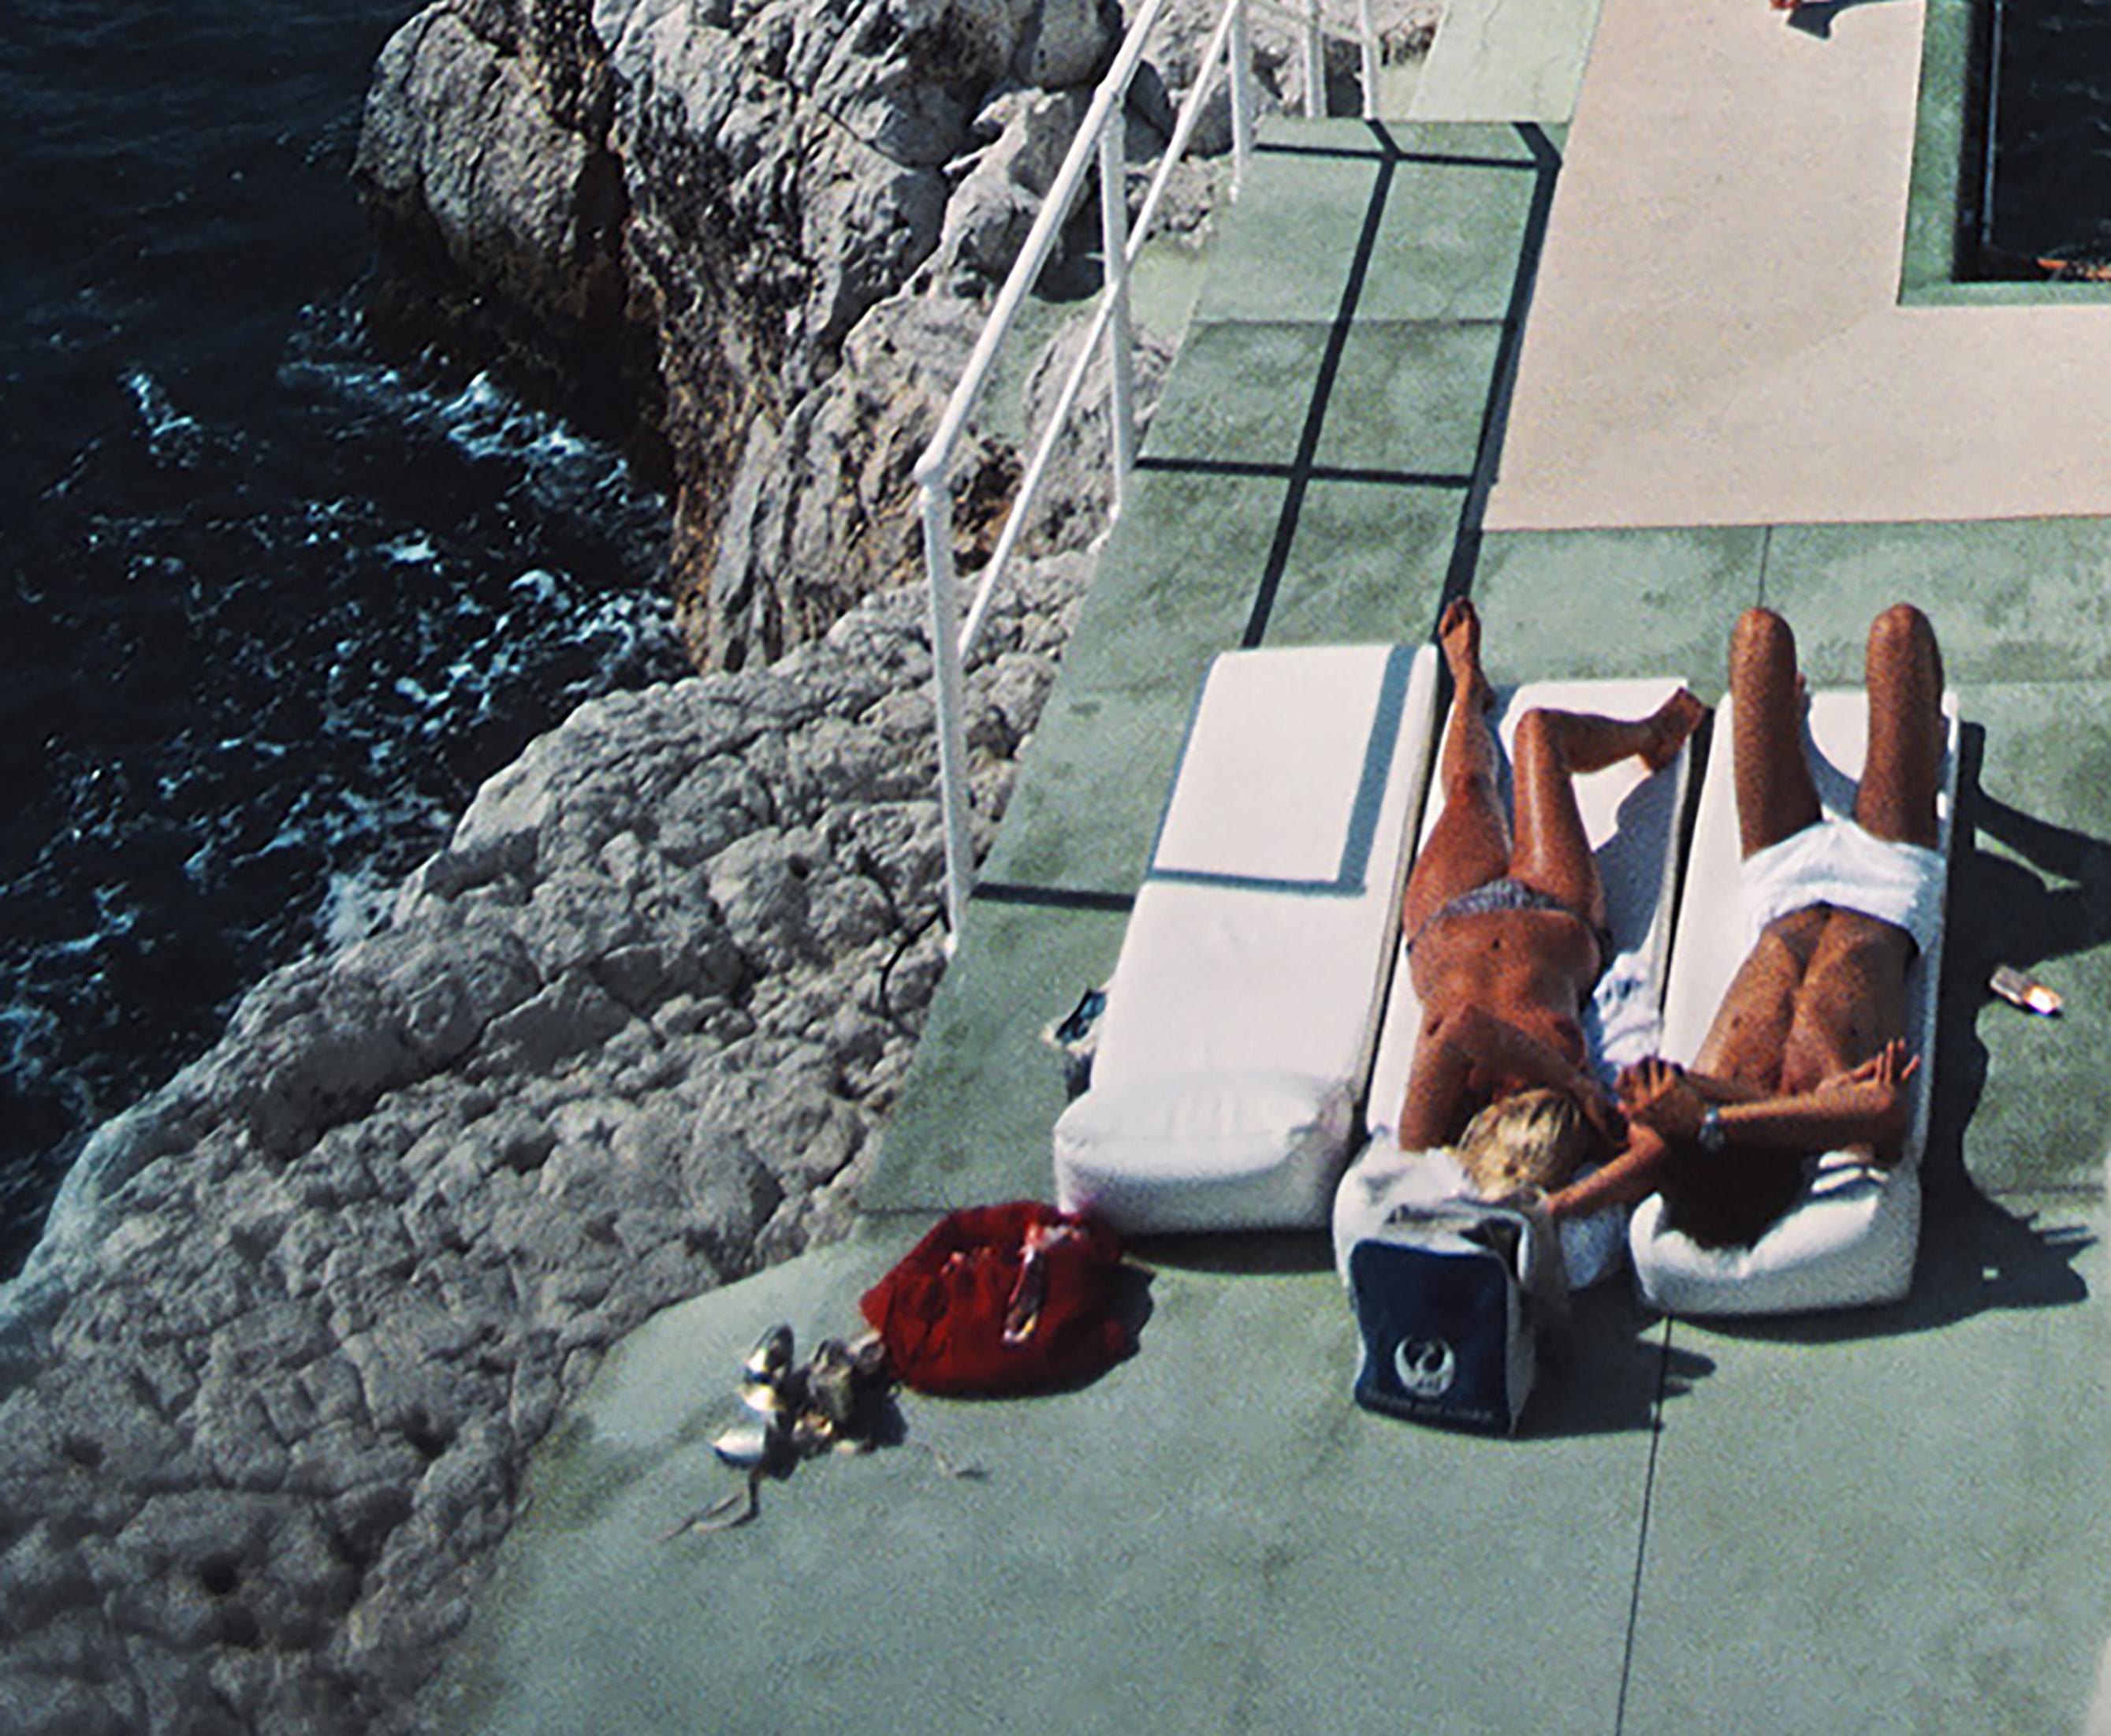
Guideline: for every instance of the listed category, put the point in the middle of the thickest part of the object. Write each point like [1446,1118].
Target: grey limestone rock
[795,214]
[269,1384]
[273,1377]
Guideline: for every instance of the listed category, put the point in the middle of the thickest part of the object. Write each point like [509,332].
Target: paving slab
[1240,393]
[1440,210]
[976,1113]
[1599,605]
[1407,397]
[2032,1101]
[1716,336]
[2019,600]
[1367,564]
[1497,60]
[1892,1522]
[1209,1538]
[1410,398]
[1178,580]
[1123,747]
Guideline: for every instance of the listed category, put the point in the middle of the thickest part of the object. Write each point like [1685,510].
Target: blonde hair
[1537,1138]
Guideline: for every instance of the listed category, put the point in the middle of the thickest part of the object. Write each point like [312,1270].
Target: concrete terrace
[1894,1521]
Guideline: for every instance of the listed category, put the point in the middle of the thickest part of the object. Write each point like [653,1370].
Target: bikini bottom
[1509,894]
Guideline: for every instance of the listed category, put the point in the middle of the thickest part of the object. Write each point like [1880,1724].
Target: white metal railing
[1099,143]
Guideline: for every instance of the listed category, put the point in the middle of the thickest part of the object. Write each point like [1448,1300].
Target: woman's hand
[1657,1094]
[1891,1066]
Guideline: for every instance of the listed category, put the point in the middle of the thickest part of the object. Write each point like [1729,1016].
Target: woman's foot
[1459,632]
[1671,725]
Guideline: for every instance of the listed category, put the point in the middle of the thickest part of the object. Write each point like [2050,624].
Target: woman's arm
[1631,1177]
[1866,1106]
[1709,1088]
[1432,1113]
[1472,1050]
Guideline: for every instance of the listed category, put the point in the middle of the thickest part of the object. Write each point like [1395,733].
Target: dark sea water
[270,606]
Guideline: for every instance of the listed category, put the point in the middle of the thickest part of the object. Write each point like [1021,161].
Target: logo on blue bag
[1427,1367]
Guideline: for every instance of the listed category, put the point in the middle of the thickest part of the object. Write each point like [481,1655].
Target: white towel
[1836,862]
[1624,1021]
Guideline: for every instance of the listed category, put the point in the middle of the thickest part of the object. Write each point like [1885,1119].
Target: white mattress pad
[1632,818]
[1243,1010]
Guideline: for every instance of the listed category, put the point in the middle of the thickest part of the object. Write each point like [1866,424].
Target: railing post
[1315,64]
[1368,36]
[952,641]
[1114,248]
[936,496]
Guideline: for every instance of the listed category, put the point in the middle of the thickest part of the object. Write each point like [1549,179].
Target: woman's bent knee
[1536,733]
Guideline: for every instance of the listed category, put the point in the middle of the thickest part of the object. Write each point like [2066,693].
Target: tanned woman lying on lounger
[1805,1055]
[1505,917]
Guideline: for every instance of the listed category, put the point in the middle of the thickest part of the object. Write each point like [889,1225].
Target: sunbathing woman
[1505,934]
[1805,1055]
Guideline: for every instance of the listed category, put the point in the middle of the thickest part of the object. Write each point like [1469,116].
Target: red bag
[1002,1299]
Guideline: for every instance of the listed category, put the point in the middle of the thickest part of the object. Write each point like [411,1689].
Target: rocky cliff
[766,234]
[776,224]
[269,1384]
[271,1378]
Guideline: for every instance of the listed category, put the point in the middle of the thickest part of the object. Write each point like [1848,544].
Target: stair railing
[1099,143]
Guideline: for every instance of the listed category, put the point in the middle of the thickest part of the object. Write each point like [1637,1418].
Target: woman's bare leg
[1776,797]
[1554,749]
[1822,989]
[1470,842]
[1852,1000]
[1903,770]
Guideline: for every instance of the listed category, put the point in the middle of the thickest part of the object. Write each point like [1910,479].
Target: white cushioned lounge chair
[1632,819]
[1851,1238]
[1236,1048]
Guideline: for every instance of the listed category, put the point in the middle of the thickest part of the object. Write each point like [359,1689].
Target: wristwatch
[1710,1136]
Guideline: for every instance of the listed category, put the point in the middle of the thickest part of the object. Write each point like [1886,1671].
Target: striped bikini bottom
[1506,893]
